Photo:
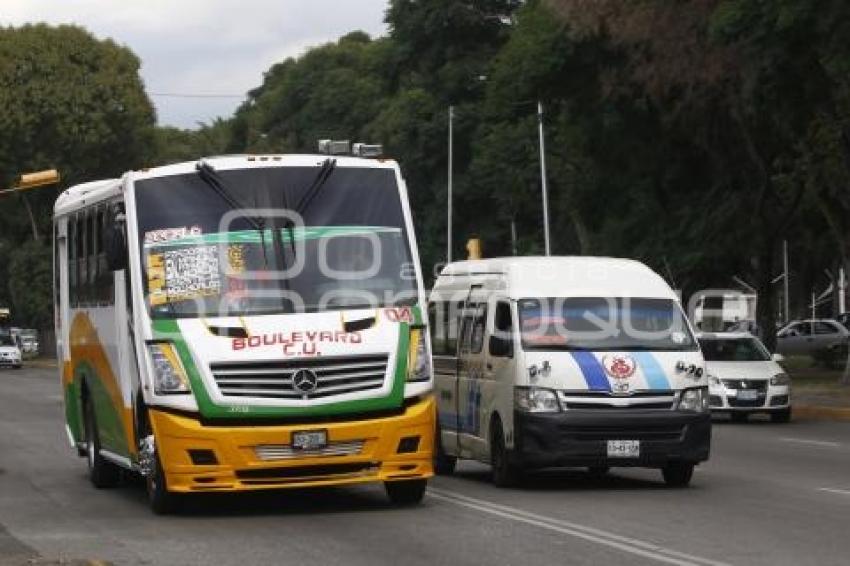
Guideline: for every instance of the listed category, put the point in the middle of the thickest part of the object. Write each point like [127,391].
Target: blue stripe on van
[594,373]
[656,379]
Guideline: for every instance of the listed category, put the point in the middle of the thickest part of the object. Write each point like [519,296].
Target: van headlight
[536,400]
[418,356]
[694,400]
[169,375]
[780,379]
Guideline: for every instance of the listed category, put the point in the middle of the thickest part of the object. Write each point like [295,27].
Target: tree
[71,102]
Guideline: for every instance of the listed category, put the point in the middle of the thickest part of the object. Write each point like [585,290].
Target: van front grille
[274,380]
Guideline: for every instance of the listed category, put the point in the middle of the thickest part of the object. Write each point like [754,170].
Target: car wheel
[782,416]
[505,472]
[102,472]
[678,474]
[408,492]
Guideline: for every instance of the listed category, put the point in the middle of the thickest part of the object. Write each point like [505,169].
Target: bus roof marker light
[368,150]
[335,147]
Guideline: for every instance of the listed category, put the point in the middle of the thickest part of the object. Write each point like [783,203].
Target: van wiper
[211,177]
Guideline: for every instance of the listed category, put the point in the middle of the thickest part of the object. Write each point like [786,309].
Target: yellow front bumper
[240,467]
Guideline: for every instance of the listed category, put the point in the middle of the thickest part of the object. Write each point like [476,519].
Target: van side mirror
[501,347]
[115,243]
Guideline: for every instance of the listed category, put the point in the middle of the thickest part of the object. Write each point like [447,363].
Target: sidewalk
[818,394]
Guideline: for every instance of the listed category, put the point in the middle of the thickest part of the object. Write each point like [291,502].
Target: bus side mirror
[501,347]
[115,244]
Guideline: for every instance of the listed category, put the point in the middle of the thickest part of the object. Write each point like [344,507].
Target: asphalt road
[771,494]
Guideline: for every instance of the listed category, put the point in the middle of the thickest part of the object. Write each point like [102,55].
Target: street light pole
[451,173]
[544,186]
[785,286]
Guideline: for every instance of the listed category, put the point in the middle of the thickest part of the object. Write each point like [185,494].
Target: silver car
[813,338]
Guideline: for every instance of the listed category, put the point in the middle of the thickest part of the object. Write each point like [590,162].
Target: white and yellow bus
[243,323]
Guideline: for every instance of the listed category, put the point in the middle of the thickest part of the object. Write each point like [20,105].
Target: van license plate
[748,395]
[624,448]
[309,439]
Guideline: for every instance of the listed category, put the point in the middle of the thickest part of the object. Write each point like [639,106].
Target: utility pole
[451,173]
[785,299]
[544,186]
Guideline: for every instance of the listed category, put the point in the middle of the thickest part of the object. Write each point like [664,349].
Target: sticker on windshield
[678,337]
[183,274]
[169,234]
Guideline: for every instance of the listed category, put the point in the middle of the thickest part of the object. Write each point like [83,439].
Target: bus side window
[72,261]
[91,254]
[105,278]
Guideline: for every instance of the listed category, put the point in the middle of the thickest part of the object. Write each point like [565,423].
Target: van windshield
[293,243]
[6,341]
[603,324]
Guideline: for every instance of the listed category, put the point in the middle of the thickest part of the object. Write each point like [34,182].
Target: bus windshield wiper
[328,166]
[211,177]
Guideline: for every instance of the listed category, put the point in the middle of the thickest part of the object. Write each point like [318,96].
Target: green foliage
[71,102]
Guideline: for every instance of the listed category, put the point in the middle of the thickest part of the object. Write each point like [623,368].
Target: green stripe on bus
[169,330]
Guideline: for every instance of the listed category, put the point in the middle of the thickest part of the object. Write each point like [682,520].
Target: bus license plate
[748,395]
[309,439]
[624,448]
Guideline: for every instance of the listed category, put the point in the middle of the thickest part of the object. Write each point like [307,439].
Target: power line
[195,95]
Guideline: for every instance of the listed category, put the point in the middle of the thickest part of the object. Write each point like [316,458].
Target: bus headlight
[418,357]
[780,379]
[536,400]
[694,400]
[169,376]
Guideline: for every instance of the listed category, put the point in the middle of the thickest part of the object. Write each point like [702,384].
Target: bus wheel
[505,472]
[408,492]
[678,474]
[162,501]
[444,465]
[102,472]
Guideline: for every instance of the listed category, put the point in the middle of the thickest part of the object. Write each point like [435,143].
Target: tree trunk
[766,307]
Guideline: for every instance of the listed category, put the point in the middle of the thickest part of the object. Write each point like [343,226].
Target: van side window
[478,326]
[82,267]
[502,320]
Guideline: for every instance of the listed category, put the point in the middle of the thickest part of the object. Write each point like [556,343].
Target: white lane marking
[824,443]
[836,491]
[604,538]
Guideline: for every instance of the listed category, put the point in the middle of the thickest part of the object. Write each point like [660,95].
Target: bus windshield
[603,324]
[293,243]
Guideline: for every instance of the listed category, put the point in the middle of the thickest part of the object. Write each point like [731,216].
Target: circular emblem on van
[619,367]
[305,381]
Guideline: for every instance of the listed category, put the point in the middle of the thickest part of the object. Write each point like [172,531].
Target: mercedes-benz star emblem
[305,381]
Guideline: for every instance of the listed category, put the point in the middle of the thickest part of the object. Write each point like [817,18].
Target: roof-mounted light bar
[335,147]
[368,150]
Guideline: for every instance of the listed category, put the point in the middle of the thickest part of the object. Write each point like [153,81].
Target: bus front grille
[325,377]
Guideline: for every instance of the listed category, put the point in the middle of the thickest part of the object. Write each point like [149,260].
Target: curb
[822,413]
[43,364]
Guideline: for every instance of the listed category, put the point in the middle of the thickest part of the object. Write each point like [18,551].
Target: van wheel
[783,416]
[444,465]
[505,472]
[102,472]
[678,474]
[408,492]
[162,501]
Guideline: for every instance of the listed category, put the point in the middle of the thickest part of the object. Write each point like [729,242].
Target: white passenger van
[566,361]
